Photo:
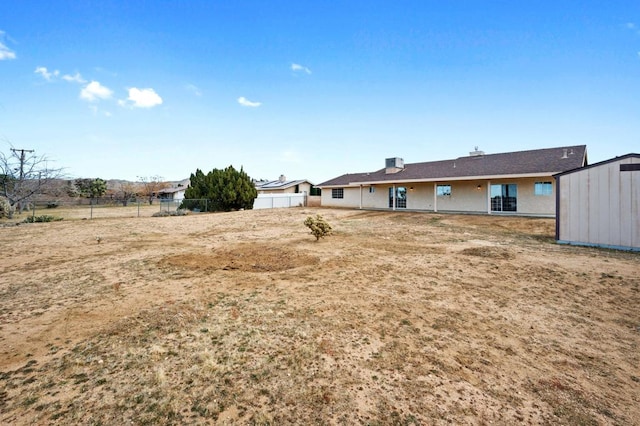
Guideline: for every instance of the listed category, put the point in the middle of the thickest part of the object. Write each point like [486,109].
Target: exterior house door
[400,195]
[504,198]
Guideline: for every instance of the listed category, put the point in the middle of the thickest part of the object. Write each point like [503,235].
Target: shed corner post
[557,207]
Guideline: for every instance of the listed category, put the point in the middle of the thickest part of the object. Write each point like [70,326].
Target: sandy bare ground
[242,318]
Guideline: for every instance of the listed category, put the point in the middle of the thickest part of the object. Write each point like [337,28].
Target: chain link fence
[51,210]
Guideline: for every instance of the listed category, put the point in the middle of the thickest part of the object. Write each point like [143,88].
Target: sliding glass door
[400,197]
[504,198]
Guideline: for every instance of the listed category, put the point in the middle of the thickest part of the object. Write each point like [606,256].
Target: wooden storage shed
[599,205]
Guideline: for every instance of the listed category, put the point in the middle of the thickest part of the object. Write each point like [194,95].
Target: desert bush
[164,213]
[319,227]
[5,208]
[43,218]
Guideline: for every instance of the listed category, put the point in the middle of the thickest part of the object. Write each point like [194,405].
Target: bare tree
[151,185]
[23,175]
[127,191]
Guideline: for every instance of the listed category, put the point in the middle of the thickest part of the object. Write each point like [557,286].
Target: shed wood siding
[600,205]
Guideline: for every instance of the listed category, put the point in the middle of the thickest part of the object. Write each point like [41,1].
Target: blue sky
[313,89]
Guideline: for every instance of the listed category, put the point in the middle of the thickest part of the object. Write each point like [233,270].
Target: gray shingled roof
[539,161]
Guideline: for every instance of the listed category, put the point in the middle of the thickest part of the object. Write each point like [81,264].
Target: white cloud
[5,52]
[631,26]
[141,98]
[246,102]
[49,75]
[44,72]
[76,78]
[300,68]
[95,91]
[193,89]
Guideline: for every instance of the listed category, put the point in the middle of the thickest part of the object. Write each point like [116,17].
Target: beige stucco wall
[536,204]
[601,205]
[351,198]
[531,204]
[314,201]
[379,198]
[303,187]
[465,196]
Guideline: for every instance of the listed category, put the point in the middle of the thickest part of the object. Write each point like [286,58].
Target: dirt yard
[243,318]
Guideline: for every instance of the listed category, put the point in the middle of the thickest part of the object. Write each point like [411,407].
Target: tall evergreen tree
[224,189]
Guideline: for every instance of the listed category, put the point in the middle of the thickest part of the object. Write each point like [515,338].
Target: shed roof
[547,161]
[601,163]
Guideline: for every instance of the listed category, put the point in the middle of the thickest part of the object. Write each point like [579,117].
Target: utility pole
[22,160]
[22,151]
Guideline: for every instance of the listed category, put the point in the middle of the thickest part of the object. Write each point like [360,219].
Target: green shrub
[43,218]
[319,227]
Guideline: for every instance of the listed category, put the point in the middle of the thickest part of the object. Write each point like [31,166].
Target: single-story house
[284,186]
[174,194]
[508,183]
[599,205]
[282,193]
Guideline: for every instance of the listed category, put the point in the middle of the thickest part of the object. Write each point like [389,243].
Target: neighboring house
[174,194]
[282,193]
[599,205]
[284,186]
[514,183]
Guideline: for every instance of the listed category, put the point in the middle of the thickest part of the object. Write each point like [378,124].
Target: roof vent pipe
[282,178]
[564,153]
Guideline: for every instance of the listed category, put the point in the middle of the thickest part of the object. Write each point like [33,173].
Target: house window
[372,189]
[337,193]
[542,188]
[442,190]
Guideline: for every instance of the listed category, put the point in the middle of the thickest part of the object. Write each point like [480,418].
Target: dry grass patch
[490,252]
[247,258]
[241,318]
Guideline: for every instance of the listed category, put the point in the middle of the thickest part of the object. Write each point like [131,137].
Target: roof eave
[443,179]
